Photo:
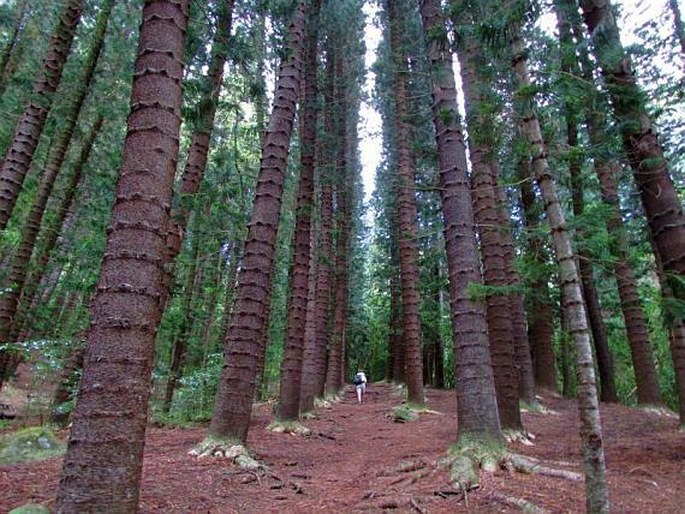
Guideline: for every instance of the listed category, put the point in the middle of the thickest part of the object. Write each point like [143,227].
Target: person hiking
[360,385]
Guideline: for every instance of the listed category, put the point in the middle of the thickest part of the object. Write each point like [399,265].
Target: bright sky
[634,13]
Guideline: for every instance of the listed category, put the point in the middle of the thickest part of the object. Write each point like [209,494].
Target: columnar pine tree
[291,365]
[406,207]
[16,279]
[103,464]
[244,340]
[574,308]
[476,396]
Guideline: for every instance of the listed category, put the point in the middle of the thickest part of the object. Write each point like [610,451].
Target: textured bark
[244,340]
[103,464]
[645,154]
[596,489]
[30,126]
[324,254]
[291,365]
[196,163]
[11,45]
[309,369]
[16,279]
[523,351]
[476,395]
[636,325]
[406,211]
[484,197]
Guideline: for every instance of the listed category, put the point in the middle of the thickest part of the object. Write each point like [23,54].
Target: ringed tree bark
[30,126]
[103,464]
[645,154]
[484,198]
[596,489]
[291,365]
[245,337]
[16,280]
[407,211]
[476,396]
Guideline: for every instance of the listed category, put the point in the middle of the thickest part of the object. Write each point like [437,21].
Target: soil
[357,459]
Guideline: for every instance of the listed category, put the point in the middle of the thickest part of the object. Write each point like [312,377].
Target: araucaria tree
[245,337]
[476,397]
[103,464]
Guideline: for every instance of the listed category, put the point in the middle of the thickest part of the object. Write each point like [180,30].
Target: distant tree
[18,158]
[406,209]
[9,48]
[103,464]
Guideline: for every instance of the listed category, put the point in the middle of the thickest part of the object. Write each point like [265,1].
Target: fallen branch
[522,504]
[532,466]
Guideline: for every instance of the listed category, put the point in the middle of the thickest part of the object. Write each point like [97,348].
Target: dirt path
[352,463]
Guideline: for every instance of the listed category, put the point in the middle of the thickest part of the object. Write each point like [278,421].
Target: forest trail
[357,459]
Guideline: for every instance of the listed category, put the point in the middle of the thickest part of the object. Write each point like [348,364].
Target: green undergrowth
[28,444]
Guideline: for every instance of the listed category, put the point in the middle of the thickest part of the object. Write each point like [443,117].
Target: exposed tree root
[530,465]
[522,504]
[227,449]
[525,438]
[289,427]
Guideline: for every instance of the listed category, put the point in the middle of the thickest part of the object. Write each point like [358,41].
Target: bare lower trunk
[102,468]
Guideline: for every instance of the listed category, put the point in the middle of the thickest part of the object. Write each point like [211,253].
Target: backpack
[358,379]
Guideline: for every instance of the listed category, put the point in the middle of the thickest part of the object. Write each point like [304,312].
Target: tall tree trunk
[540,325]
[291,365]
[522,346]
[407,211]
[484,197]
[27,133]
[325,251]
[476,395]
[343,201]
[645,154]
[309,380]
[590,426]
[7,51]
[103,464]
[16,279]
[245,337]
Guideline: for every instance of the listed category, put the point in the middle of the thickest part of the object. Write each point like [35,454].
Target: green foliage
[29,444]
[194,397]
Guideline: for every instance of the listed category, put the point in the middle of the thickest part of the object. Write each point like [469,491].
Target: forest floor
[357,459]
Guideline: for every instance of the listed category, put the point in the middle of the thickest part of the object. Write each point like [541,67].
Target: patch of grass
[35,443]
[404,413]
